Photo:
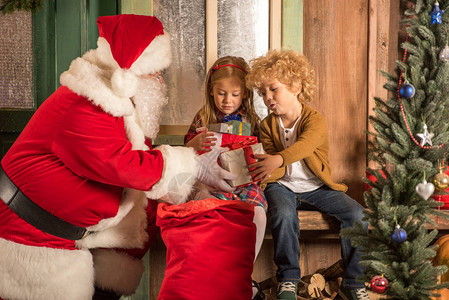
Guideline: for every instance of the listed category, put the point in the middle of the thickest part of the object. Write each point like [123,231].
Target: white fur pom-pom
[124,83]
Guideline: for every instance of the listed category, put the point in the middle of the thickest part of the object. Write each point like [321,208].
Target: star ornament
[425,136]
[436,14]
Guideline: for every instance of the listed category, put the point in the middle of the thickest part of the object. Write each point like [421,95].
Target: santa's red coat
[84,158]
[73,160]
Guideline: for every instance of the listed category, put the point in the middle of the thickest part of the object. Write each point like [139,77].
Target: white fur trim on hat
[117,271]
[104,55]
[124,83]
[29,272]
[156,57]
[178,175]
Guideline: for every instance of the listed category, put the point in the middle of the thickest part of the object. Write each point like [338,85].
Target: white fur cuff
[178,175]
[156,57]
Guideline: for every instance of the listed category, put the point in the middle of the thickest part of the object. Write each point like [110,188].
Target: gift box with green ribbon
[232,127]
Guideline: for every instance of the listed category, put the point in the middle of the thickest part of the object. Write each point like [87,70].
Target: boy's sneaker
[287,290]
[354,294]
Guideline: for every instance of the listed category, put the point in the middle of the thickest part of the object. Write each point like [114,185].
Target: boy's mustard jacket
[312,146]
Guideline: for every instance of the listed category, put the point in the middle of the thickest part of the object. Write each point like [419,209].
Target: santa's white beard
[150,99]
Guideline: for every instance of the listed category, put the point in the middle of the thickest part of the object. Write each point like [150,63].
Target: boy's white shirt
[298,178]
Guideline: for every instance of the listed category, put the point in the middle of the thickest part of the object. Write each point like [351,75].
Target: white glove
[211,174]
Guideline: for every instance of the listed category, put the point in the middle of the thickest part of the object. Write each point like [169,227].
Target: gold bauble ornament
[441,181]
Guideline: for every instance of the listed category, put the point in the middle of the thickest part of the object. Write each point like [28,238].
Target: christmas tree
[408,145]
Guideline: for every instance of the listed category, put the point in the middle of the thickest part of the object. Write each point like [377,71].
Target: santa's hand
[211,174]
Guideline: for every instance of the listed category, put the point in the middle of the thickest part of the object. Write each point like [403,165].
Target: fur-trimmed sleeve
[178,175]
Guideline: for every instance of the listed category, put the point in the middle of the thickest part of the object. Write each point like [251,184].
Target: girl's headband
[227,65]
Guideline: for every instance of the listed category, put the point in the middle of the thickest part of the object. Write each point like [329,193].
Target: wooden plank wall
[348,42]
[383,48]
[336,43]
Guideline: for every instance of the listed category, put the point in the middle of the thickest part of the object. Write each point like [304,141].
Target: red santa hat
[138,45]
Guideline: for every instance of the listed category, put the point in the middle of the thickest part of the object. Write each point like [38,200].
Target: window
[201,32]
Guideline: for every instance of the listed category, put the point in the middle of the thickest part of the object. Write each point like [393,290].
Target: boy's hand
[264,166]
[203,141]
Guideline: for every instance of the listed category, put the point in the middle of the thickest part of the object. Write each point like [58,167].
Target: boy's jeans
[282,208]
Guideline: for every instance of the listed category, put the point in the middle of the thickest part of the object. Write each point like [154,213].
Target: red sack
[210,249]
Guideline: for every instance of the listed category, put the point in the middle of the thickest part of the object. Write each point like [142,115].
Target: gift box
[234,141]
[220,127]
[240,128]
[231,127]
[237,161]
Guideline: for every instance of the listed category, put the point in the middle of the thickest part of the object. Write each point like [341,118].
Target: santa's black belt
[35,215]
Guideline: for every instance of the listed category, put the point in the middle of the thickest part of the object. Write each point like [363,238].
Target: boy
[296,169]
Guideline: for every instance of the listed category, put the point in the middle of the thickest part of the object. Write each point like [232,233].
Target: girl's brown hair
[289,67]
[218,71]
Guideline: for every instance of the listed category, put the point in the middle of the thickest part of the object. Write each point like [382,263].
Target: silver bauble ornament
[425,189]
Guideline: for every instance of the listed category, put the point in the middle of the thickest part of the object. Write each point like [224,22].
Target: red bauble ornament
[373,178]
[379,284]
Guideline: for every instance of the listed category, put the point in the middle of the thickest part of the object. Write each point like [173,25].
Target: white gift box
[234,161]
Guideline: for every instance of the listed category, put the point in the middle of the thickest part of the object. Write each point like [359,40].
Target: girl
[227,98]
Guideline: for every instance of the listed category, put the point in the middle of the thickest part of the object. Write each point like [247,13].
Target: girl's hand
[203,141]
[265,165]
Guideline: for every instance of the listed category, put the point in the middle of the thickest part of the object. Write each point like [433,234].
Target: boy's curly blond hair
[287,66]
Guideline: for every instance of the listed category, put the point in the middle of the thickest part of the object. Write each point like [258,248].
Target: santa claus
[79,175]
